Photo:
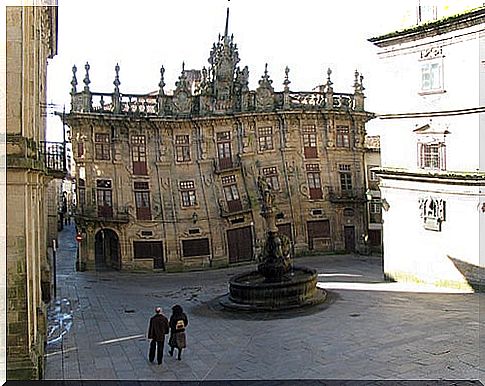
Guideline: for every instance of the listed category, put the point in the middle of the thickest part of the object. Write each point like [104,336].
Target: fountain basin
[251,291]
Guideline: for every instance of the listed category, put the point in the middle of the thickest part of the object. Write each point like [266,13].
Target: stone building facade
[32,163]
[169,181]
[433,171]
[373,194]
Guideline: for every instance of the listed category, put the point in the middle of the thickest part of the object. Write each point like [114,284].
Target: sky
[308,36]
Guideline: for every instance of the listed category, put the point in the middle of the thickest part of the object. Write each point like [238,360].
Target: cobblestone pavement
[368,329]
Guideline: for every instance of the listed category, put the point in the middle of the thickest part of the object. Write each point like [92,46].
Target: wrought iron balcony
[226,165]
[234,207]
[349,195]
[53,156]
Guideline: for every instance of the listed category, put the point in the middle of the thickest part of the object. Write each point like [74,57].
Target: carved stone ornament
[181,102]
[265,92]
[304,190]
[432,211]
[207,179]
[181,96]
[432,52]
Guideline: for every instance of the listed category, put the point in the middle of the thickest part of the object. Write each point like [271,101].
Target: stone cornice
[254,114]
[448,177]
[434,28]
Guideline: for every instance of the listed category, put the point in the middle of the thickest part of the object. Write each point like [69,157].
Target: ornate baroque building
[169,181]
[32,164]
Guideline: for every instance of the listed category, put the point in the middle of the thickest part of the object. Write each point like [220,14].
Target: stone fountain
[277,284]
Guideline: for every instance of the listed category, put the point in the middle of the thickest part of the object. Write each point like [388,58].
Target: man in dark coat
[156,332]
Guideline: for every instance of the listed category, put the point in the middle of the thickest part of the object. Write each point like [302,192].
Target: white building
[432,178]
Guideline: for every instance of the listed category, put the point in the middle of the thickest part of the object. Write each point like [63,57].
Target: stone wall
[29,44]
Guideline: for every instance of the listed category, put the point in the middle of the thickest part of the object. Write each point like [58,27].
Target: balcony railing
[226,165]
[350,195]
[53,156]
[156,105]
[119,215]
[233,207]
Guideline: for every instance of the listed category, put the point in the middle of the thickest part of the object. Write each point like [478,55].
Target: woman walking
[178,323]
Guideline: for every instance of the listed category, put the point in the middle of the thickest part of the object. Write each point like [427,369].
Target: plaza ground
[368,329]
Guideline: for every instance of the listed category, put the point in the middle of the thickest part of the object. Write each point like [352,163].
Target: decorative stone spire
[74,80]
[223,61]
[227,24]
[329,91]
[356,80]
[161,85]
[265,80]
[182,95]
[161,93]
[117,79]
[86,78]
[286,90]
[182,82]
[116,93]
[286,82]
[329,81]
[87,101]
[265,92]
[358,91]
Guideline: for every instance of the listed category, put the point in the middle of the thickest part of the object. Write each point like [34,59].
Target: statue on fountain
[276,259]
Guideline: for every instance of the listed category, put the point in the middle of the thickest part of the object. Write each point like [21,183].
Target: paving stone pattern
[379,331]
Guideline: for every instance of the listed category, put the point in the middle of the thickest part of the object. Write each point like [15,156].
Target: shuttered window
[142,201]
[138,153]
[310,142]
[101,146]
[195,247]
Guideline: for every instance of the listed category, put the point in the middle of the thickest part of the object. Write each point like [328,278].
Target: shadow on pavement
[214,309]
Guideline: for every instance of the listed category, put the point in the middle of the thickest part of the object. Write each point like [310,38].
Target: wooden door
[317,230]
[349,235]
[240,244]
[149,249]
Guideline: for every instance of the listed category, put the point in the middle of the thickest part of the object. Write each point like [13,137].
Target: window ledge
[431,92]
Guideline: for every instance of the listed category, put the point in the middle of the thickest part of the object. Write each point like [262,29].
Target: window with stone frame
[431,76]
[102,146]
[345,173]
[431,147]
[80,149]
[187,193]
[139,155]
[375,209]
[231,193]
[104,198]
[343,136]
[265,138]
[431,156]
[314,181]
[142,200]
[372,174]
[81,192]
[224,153]
[182,148]
[271,177]
[309,134]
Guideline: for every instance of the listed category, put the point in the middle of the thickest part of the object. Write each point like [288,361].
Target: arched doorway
[107,250]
